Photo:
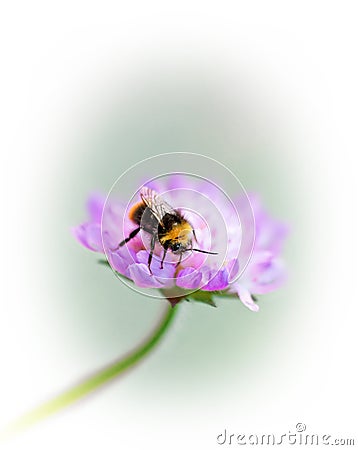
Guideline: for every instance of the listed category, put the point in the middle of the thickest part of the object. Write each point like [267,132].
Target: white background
[52,53]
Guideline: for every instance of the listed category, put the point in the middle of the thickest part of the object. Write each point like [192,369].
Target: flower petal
[141,276]
[189,278]
[245,297]
[216,280]
[168,268]
[95,205]
[120,261]
[233,267]
[267,276]
[89,235]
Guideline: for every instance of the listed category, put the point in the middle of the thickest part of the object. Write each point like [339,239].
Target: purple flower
[264,270]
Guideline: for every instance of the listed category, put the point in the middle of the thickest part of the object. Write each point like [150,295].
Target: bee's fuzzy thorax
[180,232]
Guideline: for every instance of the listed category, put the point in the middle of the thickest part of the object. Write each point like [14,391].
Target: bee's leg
[152,245]
[180,257]
[165,252]
[131,236]
[195,236]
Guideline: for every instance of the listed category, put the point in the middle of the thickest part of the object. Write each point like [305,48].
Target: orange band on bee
[133,211]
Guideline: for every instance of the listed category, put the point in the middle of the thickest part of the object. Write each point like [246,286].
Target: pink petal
[266,276]
[89,235]
[246,298]
[189,278]
[216,279]
[141,276]
[95,205]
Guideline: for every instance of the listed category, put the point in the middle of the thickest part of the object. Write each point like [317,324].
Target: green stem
[95,381]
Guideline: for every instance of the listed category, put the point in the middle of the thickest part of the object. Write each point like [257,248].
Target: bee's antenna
[203,251]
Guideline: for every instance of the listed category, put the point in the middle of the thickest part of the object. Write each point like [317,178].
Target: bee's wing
[155,203]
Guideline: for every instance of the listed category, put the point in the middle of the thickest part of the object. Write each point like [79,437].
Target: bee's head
[176,247]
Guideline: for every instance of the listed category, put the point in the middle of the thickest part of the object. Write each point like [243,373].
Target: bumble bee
[165,224]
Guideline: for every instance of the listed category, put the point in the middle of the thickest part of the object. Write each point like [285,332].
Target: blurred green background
[100,318]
